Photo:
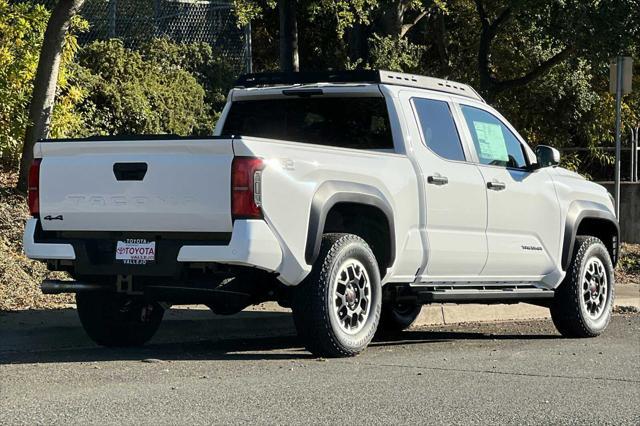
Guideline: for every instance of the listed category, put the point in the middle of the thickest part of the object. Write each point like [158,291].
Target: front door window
[494,142]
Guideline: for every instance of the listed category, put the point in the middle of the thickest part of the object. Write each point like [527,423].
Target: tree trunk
[442,43]
[357,43]
[46,81]
[393,17]
[289,60]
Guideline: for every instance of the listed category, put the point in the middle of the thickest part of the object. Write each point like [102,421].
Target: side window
[438,128]
[494,142]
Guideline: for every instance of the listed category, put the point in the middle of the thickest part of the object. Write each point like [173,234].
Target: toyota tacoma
[353,198]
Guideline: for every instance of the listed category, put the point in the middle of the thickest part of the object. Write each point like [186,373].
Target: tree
[552,32]
[22,27]
[46,82]
[289,58]
[489,83]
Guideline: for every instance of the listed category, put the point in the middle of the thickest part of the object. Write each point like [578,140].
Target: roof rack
[357,76]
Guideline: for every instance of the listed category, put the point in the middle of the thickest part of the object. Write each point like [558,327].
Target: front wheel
[337,308]
[583,303]
[113,319]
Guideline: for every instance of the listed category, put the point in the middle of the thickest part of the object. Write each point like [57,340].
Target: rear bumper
[252,244]
[44,251]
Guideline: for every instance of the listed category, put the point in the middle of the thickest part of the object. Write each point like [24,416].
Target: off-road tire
[113,319]
[315,323]
[568,313]
[395,317]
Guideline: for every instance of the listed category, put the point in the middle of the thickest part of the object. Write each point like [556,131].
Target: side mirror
[547,156]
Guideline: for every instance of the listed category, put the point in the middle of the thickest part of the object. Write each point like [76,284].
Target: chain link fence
[182,21]
[599,170]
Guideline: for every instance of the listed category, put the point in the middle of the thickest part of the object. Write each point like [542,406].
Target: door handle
[496,186]
[437,180]
[129,171]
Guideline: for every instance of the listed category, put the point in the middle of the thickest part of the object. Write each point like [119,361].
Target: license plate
[136,252]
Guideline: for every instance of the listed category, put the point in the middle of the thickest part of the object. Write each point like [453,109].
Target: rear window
[348,122]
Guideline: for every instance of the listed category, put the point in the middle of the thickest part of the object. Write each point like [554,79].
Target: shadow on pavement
[241,349]
[56,336]
[428,336]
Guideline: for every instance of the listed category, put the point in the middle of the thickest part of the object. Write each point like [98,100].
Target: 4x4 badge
[49,217]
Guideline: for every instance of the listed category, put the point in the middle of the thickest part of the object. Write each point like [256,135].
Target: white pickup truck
[352,197]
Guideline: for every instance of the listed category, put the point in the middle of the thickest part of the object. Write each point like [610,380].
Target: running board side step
[506,295]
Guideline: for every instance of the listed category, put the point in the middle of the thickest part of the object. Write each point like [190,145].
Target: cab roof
[271,79]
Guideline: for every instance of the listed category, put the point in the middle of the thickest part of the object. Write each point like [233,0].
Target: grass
[20,277]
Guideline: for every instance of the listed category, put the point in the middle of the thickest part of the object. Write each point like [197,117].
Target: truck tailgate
[180,185]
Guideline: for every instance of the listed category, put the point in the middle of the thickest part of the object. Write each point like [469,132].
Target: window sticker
[491,141]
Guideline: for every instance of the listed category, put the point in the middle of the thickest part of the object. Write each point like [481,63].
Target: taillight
[246,186]
[33,197]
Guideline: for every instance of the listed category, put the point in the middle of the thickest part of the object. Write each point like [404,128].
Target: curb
[455,314]
[627,295]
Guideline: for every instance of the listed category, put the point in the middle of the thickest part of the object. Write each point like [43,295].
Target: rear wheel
[583,303]
[337,308]
[113,319]
[396,317]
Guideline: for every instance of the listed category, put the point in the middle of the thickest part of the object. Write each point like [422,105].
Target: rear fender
[331,193]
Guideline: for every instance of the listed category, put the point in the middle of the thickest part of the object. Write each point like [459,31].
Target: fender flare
[579,210]
[331,193]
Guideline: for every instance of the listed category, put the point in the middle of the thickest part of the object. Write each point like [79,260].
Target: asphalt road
[468,374]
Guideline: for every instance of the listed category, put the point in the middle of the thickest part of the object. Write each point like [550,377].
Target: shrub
[212,71]
[129,93]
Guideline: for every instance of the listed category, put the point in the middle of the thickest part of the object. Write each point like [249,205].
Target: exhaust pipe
[59,286]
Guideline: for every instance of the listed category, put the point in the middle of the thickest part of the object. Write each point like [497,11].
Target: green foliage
[21,30]
[211,70]
[66,121]
[394,53]
[164,87]
[138,92]
[247,10]
[105,88]
[346,13]
[566,105]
